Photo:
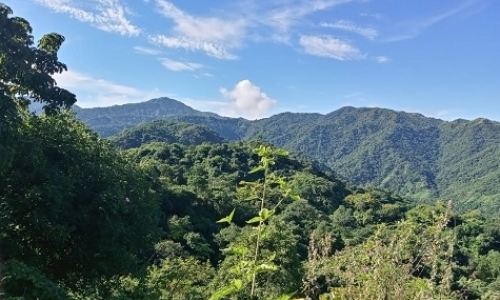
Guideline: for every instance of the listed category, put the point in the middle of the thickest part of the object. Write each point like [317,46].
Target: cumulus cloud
[246,100]
[327,46]
[211,35]
[367,32]
[92,92]
[175,65]
[106,15]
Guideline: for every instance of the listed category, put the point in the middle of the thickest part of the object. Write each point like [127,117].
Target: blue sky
[254,58]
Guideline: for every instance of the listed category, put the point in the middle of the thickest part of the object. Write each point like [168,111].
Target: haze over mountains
[419,157]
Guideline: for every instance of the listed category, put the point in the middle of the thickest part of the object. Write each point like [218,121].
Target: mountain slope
[111,120]
[375,146]
[418,157]
[165,131]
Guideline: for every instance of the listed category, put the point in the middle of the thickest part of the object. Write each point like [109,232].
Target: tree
[72,206]
[26,75]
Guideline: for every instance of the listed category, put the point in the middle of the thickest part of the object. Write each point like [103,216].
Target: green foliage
[278,269]
[417,157]
[25,76]
[249,266]
[407,261]
[82,220]
[21,281]
[70,201]
[108,121]
[165,131]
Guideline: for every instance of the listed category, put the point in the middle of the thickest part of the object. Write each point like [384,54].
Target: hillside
[111,120]
[165,131]
[418,157]
[176,212]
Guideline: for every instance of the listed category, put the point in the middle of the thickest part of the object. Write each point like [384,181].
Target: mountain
[165,131]
[418,157]
[111,120]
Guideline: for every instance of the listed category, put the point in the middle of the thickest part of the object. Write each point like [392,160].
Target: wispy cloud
[327,46]
[92,92]
[220,37]
[367,32]
[382,59]
[414,28]
[212,49]
[444,114]
[147,50]
[204,75]
[211,35]
[212,28]
[246,100]
[106,15]
[289,13]
[376,16]
[175,65]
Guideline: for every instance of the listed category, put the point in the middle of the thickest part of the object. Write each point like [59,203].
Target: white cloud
[382,59]
[106,15]
[204,75]
[327,46]
[289,14]
[146,50]
[213,29]
[219,37]
[367,32]
[246,100]
[174,65]
[377,16]
[444,114]
[211,35]
[414,28]
[92,92]
[211,49]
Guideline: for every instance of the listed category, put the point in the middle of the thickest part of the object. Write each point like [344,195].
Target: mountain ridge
[417,156]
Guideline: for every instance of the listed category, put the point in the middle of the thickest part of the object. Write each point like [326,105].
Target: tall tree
[26,75]
[72,206]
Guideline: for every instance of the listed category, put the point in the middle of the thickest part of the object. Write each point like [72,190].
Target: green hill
[182,216]
[419,157]
[165,131]
[416,156]
[111,120]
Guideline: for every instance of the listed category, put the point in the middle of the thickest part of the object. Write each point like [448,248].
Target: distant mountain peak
[113,119]
[166,100]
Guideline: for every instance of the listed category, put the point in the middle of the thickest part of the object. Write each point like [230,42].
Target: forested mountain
[176,213]
[110,120]
[418,157]
[165,131]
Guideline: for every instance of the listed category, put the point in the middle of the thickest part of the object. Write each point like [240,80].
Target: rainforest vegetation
[418,157]
[175,210]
